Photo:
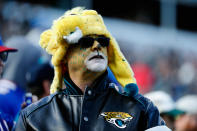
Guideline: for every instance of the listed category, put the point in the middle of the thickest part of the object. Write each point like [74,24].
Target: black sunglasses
[4,56]
[88,41]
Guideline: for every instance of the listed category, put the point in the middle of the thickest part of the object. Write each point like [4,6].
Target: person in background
[166,106]
[188,120]
[11,96]
[39,80]
[4,55]
[82,49]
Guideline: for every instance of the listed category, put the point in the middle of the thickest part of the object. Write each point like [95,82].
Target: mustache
[96,53]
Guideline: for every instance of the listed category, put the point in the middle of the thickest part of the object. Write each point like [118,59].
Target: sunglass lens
[104,41]
[86,42]
[4,56]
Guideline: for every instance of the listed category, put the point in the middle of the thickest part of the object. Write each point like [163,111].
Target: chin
[96,65]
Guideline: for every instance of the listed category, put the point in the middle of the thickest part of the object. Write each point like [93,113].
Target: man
[10,94]
[4,55]
[188,120]
[82,49]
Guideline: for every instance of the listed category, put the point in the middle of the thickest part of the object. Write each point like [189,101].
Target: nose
[96,46]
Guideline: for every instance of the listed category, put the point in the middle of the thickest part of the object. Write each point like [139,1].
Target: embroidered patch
[119,119]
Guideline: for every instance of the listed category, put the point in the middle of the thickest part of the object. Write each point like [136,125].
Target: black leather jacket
[103,107]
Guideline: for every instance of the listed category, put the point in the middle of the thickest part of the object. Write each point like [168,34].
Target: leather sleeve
[153,116]
[151,113]
[21,123]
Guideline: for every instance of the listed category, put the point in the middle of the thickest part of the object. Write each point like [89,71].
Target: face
[90,54]
[186,123]
[169,120]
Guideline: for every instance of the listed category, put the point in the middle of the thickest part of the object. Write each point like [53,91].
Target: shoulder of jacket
[131,90]
[39,104]
[145,102]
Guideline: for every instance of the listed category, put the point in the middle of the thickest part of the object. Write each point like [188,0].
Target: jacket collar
[98,86]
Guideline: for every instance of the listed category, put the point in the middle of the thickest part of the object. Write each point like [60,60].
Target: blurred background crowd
[158,38]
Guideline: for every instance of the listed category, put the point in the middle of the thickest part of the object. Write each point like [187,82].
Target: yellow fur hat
[68,29]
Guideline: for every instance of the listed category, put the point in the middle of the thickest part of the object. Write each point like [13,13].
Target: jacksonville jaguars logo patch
[119,119]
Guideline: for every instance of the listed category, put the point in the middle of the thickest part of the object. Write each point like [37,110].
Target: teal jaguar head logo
[119,119]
